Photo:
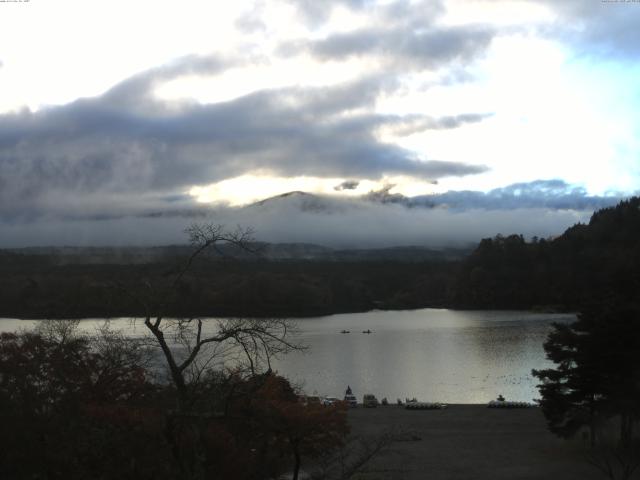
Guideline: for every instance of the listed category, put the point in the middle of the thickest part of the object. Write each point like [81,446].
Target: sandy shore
[470,442]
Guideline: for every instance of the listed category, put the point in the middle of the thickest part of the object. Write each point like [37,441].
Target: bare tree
[58,330]
[190,345]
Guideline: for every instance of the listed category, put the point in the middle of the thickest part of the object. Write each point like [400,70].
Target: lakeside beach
[469,442]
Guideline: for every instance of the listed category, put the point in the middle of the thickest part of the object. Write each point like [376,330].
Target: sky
[414,122]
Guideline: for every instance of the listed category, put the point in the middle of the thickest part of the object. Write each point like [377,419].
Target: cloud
[554,194]
[412,49]
[252,21]
[541,208]
[401,35]
[367,224]
[298,218]
[379,219]
[410,125]
[347,185]
[126,142]
[315,13]
[137,91]
[606,28]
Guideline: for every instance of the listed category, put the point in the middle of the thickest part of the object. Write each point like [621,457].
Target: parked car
[328,401]
[369,400]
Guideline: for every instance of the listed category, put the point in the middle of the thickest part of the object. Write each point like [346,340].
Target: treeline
[504,272]
[587,261]
[215,287]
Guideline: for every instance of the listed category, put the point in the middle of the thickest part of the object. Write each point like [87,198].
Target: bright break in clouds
[408,122]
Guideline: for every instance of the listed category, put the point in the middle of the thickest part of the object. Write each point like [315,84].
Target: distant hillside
[589,261]
[256,251]
[601,258]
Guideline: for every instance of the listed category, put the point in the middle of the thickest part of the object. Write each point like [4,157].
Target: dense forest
[30,288]
[504,272]
[587,261]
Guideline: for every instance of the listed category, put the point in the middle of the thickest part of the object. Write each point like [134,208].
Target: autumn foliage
[73,408]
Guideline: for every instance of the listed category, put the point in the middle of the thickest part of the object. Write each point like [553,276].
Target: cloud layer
[604,28]
[357,224]
[542,208]
[115,168]
[126,142]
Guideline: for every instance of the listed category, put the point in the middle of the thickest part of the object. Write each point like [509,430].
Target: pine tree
[597,373]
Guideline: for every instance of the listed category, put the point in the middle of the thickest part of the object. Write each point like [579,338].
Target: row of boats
[508,404]
[370,400]
[349,331]
[425,406]
[491,404]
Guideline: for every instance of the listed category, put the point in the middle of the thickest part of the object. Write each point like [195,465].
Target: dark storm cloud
[126,143]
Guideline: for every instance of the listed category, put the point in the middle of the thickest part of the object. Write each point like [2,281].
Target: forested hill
[586,262]
[506,272]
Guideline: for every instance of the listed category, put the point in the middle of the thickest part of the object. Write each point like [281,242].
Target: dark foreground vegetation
[504,272]
[594,387]
[79,407]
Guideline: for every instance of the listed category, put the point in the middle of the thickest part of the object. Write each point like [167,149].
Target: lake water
[435,355]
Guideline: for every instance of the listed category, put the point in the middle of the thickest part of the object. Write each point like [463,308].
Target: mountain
[303,201]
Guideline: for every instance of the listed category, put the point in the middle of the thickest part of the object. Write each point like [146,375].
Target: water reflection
[434,355]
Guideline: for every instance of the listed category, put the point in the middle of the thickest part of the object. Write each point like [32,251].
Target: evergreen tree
[597,373]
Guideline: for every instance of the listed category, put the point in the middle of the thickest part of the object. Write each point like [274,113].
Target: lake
[432,354]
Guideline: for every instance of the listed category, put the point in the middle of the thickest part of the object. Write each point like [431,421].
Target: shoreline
[294,316]
[469,441]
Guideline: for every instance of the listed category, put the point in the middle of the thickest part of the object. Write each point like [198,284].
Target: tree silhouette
[596,381]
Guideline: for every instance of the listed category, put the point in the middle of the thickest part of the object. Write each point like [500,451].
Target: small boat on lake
[366,331]
[345,331]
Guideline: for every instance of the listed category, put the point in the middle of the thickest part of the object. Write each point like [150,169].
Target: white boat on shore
[508,404]
[425,406]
